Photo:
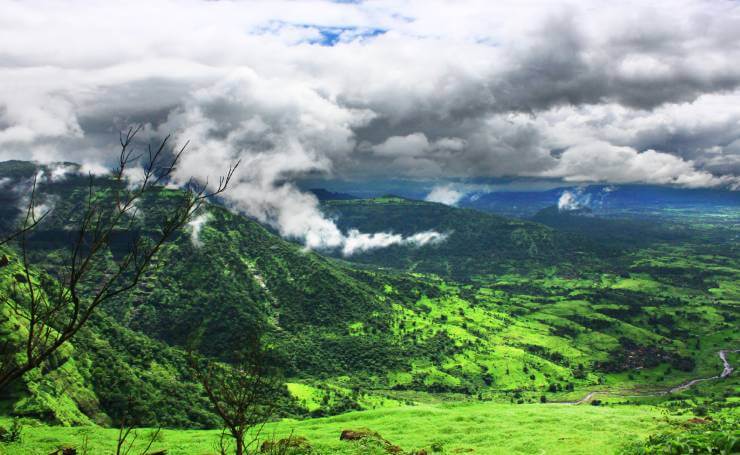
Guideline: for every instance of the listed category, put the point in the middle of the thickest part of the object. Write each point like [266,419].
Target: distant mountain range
[599,198]
[326,195]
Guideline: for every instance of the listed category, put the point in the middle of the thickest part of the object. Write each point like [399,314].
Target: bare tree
[244,395]
[54,310]
[128,434]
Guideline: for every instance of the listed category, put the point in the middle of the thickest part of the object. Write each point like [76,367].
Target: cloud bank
[574,199]
[357,242]
[445,194]
[586,92]
[584,198]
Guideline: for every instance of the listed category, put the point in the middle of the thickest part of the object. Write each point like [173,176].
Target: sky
[587,91]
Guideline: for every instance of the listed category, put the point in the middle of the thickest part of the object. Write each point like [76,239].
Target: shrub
[12,434]
[709,438]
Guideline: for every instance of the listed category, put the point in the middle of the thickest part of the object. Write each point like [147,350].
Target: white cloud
[441,84]
[58,172]
[603,162]
[573,200]
[357,242]
[196,226]
[426,238]
[94,168]
[41,210]
[445,194]
[586,91]
[134,176]
[22,189]
[398,146]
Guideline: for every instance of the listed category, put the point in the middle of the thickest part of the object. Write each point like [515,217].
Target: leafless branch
[55,311]
[127,429]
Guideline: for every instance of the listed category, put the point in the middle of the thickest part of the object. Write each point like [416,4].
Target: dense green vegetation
[466,343]
[477,243]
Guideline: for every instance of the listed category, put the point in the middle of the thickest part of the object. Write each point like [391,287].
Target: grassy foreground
[487,428]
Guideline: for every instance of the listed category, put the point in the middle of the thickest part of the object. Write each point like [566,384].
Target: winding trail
[726,371]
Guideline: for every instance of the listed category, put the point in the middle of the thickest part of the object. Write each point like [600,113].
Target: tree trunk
[239,440]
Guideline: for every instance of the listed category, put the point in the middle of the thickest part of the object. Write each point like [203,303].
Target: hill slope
[477,243]
[358,337]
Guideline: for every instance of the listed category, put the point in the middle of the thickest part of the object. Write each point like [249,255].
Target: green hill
[534,318]
[477,243]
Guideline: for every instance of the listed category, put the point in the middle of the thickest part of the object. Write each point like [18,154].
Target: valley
[488,340]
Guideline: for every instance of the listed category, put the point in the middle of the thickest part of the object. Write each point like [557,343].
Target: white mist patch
[279,130]
[445,194]
[573,200]
[579,198]
[358,242]
[41,210]
[196,225]
[426,238]
[94,168]
[59,172]
[22,190]
[134,176]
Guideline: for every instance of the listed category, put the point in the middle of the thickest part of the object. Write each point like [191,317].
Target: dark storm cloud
[562,68]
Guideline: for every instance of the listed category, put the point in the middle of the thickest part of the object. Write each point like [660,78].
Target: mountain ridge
[352,335]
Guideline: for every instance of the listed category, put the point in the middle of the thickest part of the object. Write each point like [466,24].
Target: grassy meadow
[486,428]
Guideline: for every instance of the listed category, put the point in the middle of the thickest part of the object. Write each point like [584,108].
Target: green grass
[313,398]
[487,428]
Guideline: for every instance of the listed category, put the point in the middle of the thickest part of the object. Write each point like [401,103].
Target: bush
[12,434]
[709,438]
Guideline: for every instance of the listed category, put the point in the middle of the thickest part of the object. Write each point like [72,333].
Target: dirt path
[726,371]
